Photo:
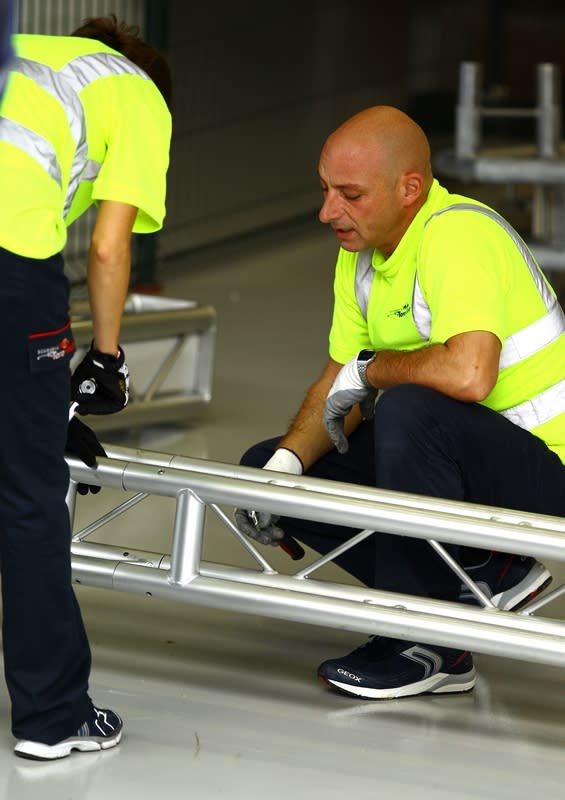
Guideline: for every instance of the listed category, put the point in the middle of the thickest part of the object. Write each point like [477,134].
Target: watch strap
[364,358]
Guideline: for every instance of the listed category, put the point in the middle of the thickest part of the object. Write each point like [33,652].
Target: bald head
[375,175]
[386,139]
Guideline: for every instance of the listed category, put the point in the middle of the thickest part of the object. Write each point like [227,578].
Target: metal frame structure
[470,111]
[170,346]
[542,166]
[198,487]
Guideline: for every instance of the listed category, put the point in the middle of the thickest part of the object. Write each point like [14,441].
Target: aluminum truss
[198,486]
[169,346]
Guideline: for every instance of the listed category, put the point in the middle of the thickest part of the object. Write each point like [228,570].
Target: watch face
[366,355]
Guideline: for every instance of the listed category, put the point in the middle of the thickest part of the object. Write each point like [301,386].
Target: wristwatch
[364,358]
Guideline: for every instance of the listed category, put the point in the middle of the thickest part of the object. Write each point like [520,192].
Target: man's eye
[352,196]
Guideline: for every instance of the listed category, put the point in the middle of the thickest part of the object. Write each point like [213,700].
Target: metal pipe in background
[548,110]
[468,111]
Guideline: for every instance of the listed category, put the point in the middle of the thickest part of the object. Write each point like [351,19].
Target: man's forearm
[108,283]
[109,264]
[307,436]
[465,367]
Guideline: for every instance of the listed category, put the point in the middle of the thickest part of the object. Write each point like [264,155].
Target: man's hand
[83,443]
[350,387]
[261,525]
[100,383]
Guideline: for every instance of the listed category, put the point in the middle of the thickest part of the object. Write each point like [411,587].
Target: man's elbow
[475,385]
[109,254]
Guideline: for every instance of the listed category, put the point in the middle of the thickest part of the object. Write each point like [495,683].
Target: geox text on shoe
[349,675]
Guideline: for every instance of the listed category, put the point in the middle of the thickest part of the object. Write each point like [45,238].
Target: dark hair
[126,39]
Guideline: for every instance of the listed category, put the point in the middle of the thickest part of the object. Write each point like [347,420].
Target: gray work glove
[262,525]
[350,387]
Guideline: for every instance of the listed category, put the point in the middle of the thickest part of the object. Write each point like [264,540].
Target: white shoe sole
[537,579]
[45,752]
[440,683]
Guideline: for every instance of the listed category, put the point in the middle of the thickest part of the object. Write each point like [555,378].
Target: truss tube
[162,324]
[220,469]
[103,520]
[95,562]
[112,552]
[337,551]
[462,575]
[71,500]
[364,596]
[467,111]
[164,369]
[414,518]
[548,110]
[542,601]
[541,642]
[187,538]
[244,540]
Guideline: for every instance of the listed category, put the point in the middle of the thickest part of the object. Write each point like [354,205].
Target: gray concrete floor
[218,704]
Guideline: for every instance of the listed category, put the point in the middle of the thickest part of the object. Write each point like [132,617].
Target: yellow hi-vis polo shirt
[460,267]
[79,123]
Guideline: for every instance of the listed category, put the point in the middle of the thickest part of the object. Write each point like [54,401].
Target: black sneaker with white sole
[509,581]
[386,668]
[102,730]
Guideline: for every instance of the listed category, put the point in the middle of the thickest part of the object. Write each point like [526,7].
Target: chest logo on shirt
[400,312]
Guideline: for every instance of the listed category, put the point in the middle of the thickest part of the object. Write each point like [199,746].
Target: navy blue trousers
[46,651]
[422,441]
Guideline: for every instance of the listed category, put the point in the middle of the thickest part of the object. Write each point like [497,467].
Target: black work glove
[83,443]
[100,383]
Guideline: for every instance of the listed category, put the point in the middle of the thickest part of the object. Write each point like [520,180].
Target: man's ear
[411,188]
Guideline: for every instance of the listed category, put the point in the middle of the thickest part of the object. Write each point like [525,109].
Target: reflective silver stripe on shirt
[91,170]
[83,70]
[535,271]
[80,72]
[520,345]
[421,313]
[32,144]
[58,86]
[539,409]
[364,274]
[527,341]
[64,85]
[533,338]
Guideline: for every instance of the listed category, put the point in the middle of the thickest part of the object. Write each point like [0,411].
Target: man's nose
[329,209]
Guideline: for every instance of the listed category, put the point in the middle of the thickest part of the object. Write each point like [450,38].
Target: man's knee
[414,449]
[404,406]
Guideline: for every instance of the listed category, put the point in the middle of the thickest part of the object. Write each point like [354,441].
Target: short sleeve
[463,274]
[137,150]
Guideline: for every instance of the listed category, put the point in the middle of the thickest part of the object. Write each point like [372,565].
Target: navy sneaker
[102,730]
[509,581]
[386,668]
